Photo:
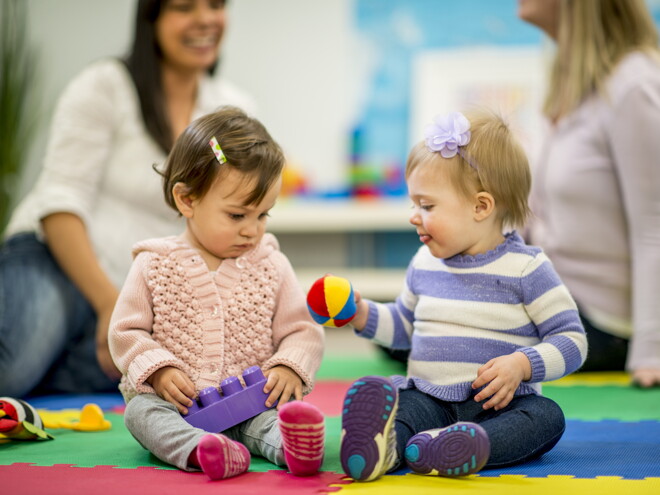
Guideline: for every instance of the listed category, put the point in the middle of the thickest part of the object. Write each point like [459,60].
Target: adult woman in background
[596,193]
[68,244]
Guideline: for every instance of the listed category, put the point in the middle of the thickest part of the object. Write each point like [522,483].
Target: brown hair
[593,36]
[500,166]
[246,144]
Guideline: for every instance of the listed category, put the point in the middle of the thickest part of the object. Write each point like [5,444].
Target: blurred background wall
[346,87]
[340,83]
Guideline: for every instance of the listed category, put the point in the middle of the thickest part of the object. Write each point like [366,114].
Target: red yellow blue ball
[331,301]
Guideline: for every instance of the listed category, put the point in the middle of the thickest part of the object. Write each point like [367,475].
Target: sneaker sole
[367,418]
[458,450]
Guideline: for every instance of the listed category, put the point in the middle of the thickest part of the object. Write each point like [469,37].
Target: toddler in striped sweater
[485,317]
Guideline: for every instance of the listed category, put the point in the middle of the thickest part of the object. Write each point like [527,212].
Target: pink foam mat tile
[109,480]
[328,396]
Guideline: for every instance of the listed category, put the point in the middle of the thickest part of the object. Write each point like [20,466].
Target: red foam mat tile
[62,479]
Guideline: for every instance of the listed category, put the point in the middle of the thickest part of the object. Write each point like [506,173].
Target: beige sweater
[596,201]
[172,311]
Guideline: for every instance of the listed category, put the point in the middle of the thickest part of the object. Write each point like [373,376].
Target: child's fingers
[489,391]
[179,396]
[484,375]
[291,390]
[284,398]
[185,387]
[274,396]
[273,388]
[172,400]
[271,381]
[500,400]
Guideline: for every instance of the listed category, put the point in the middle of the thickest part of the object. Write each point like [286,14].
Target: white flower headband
[448,134]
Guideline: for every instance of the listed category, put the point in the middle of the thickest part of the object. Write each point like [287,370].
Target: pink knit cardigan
[172,311]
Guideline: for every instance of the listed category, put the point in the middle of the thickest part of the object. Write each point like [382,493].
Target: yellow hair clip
[217,150]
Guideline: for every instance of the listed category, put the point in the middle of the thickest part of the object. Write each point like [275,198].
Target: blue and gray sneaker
[457,450]
[368,439]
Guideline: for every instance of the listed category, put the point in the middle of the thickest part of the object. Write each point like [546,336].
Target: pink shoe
[220,457]
[303,431]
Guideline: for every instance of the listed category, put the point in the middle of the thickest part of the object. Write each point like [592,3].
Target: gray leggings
[158,427]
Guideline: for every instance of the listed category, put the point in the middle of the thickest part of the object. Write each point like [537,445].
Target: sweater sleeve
[391,324]
[635,147]
[298,340]
[553,311]
[81,137]
[132,348]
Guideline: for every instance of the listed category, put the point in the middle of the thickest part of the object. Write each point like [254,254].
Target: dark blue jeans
[47,328]
[524,430]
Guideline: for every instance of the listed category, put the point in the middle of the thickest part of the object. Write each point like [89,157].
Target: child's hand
[362,313]
[174,386]
[503,374]
[282,383]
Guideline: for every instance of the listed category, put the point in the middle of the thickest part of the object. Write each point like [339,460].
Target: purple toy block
[215,413]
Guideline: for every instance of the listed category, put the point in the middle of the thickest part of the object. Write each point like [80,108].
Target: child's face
[221,225]
[444,218]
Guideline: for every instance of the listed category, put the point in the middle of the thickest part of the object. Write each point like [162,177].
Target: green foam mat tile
[606,402]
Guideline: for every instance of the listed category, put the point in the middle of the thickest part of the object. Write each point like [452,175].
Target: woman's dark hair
[144,65]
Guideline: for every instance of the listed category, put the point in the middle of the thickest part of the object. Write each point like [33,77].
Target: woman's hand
[282,384]
[174,386]
[502,375]
[646,377]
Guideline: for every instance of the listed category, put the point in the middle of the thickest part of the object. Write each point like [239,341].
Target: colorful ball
[331,302]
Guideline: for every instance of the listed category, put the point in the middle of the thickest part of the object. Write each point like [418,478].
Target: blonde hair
[593,36]
[497,164]
[246,144]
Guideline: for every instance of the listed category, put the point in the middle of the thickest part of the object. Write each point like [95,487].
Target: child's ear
[183,200]
[484,205]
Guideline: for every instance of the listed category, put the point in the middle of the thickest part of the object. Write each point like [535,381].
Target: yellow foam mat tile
[503,485]
[593,378]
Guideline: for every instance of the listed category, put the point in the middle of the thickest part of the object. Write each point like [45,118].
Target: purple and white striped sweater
[458,313]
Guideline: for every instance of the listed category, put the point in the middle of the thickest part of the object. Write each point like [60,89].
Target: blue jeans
[524,430]
[47,328]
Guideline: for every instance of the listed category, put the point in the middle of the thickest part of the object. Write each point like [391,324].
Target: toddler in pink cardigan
[213,301]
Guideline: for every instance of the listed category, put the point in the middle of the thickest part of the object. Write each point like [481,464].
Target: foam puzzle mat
[611,446]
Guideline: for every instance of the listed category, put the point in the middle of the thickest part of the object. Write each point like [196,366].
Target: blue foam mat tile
[590,449]
[603,448]
[68,401]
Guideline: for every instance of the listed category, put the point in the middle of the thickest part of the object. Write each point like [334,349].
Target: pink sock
[303,432]
[220,457]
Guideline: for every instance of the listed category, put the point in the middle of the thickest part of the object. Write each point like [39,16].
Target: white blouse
[98,164]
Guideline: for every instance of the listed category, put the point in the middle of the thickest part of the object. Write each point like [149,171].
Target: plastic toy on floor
[215,413]
[20,421]
[331,301]
[89,419]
